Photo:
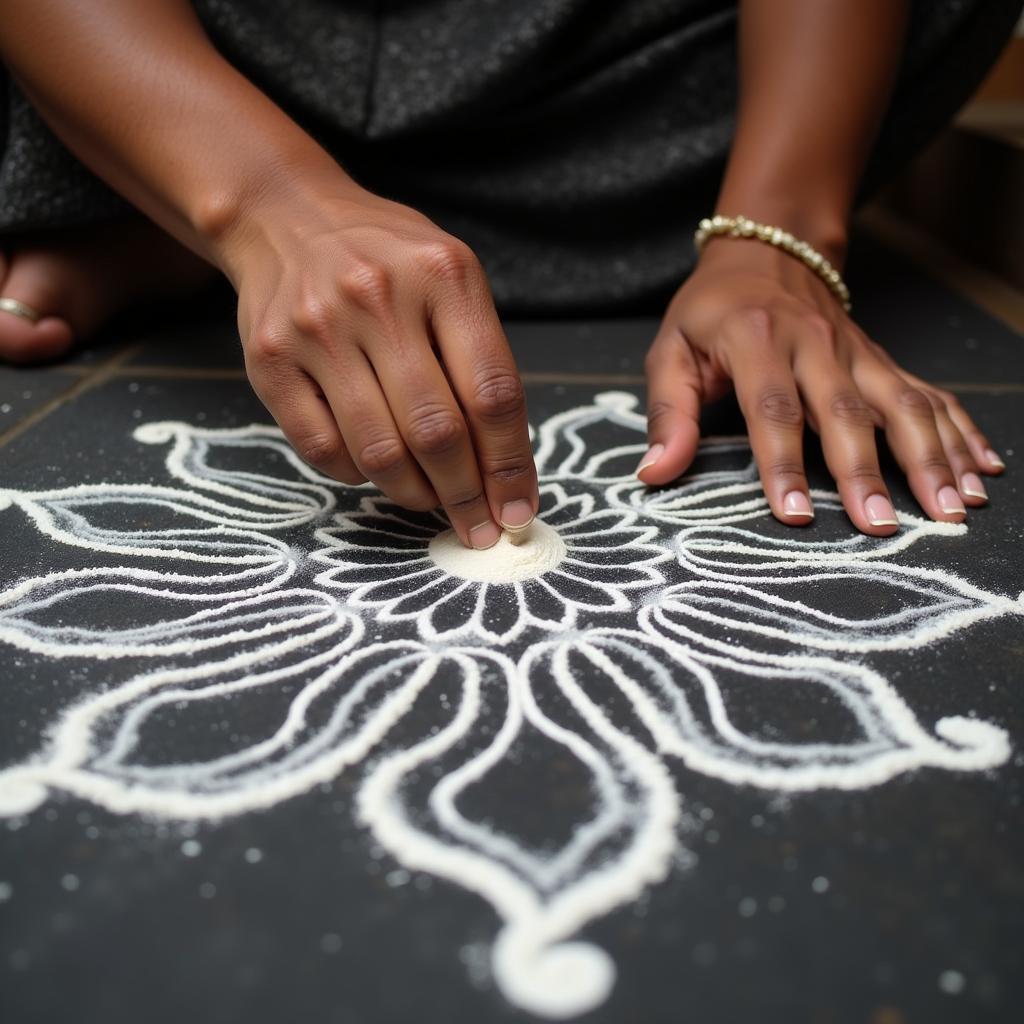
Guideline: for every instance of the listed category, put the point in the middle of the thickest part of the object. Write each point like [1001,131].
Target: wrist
[290,190]
[823,226]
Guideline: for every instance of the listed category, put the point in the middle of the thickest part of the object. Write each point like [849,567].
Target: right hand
[371,336]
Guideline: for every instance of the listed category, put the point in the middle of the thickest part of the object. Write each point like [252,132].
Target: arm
[137,91]
[341,293]
[815,78]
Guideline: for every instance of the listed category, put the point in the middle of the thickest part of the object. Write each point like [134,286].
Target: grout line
[72,370]
[163,372]
[88,381]
[984,289]
[181,372]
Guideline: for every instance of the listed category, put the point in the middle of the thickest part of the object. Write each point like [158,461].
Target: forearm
[815,79]
[143,98]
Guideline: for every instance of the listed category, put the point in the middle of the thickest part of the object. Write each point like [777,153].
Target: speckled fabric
[572,143]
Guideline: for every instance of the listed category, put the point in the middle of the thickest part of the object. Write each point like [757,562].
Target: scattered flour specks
[245,574]
[952,982]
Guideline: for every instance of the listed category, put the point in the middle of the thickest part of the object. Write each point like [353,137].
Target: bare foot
[78,279]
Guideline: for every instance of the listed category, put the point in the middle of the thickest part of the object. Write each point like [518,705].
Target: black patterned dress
[574,144]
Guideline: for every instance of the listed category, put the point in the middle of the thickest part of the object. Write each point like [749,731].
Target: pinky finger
[985,455]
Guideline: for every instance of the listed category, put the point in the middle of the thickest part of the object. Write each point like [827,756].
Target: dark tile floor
[891,904]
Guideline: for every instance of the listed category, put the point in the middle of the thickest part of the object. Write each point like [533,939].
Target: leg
[77,279]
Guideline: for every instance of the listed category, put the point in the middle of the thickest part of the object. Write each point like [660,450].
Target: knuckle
[823,331]
[507,470]
[499,398]
[915,401]
[780,407]
[863,472]
[785,467]
[267,346]
[958,450]
[436,431]
[468,503]
[753,323]
[382,457]
[659,412]
[448,259]
[319,450]
[850,408]
[312,315]
[366,284]
[934,462]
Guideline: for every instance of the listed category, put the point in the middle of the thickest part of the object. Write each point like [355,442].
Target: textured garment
[574,144]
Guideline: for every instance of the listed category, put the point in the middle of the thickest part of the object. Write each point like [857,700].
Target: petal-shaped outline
[894,740]
[531,951]
[532,962]
[211,627]
[951,605]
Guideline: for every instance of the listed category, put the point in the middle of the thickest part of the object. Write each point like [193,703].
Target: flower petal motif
[379,557]
[286,630]
[718,714]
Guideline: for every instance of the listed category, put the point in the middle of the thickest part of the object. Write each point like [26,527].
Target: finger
[297,404]
[434,429]
[959,455]
[486,384]
[371,434]
[985,456]
[846,425]
[674,399]
[768,397]
[910,429]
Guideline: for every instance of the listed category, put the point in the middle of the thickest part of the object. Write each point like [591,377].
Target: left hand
[755,318]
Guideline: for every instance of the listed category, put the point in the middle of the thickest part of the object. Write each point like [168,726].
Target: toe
[24,342]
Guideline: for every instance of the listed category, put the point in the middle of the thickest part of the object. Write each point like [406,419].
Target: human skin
[371,335]
[815,78]
[368,331]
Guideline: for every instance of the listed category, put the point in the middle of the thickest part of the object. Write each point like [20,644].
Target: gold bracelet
[742,227]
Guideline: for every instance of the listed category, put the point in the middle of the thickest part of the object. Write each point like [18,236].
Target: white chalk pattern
[318,605]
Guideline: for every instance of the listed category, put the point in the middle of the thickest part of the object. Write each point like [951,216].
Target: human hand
[755,318]
[371,336]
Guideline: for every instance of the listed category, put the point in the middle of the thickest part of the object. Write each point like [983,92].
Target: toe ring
[16,308]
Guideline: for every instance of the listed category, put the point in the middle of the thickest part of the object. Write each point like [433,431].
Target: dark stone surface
[23,391]
[107,919]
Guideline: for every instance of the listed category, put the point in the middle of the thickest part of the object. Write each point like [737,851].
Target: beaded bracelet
[742,227]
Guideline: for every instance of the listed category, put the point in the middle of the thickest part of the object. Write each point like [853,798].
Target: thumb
[674,399]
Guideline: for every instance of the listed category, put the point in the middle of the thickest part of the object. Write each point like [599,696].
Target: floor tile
[179,640]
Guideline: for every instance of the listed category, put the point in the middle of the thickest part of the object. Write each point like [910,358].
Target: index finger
[476,357]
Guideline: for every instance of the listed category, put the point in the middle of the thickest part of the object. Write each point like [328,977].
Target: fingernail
[949,501]
[516,514]
[484,536]
[879,511]
[970,483]
[654,453]
[796,503]
[994,459]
